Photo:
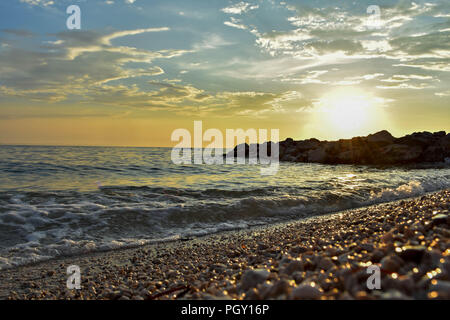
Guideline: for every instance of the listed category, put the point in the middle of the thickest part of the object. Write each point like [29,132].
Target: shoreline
[319,257]
[204,237]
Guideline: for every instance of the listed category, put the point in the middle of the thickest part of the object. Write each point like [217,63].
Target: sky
[137,70]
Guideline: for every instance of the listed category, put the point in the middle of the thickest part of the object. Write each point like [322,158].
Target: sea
[65,201]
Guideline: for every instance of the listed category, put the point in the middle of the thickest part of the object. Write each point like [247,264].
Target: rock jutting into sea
[380,148]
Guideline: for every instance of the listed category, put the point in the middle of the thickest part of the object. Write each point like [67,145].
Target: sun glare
[348,112]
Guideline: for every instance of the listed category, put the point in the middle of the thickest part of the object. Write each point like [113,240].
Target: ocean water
[71,200]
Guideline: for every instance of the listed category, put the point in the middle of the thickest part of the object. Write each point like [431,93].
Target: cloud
[431,64]
[235,23]
[321,31]
[80,42]
[211,41]
[240,8]
[43,3]
[408,81]
[443,94]
[310,77]
[419,86]
[76,64]
[434,45]
[286,100]
[19,32]
[322,47]
[405,78]
[266,69]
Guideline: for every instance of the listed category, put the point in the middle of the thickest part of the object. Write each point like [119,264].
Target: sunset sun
[347,112]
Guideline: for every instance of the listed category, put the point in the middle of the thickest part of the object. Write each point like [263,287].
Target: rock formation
[380,148]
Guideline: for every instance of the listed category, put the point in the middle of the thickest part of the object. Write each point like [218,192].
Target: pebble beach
[323,257]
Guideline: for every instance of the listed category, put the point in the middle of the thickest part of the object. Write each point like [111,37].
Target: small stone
[218,267]
[389,264]
[262,246]
[439,219]
[387,237]
[298,250]
[325,264]
[412,253]
[393,295]
[376,256]
[306,292]
[252,294]
[292,267]
[367,246]
[172,274]
[251,278]
[280,287]
[298,276]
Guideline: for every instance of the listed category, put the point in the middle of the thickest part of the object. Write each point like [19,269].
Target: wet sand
[322,257]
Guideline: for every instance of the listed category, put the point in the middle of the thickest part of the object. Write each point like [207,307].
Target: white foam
[410,189]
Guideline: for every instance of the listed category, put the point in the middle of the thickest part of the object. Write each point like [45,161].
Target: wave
[36,226]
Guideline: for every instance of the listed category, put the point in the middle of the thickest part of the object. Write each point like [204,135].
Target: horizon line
[131,146]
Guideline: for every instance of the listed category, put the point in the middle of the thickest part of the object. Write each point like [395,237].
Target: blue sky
[230,63]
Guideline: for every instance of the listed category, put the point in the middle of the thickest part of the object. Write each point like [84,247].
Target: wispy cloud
[240,8]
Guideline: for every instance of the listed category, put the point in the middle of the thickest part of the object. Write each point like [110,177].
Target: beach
[321,257]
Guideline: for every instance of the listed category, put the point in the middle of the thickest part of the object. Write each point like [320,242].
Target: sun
[347,112]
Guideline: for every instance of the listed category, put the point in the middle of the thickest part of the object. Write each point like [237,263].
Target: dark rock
[279,288]
[444,142]
[306,292]
[317,155]
[251,278]
[380,148]
[293,266]
[412,253]
[289,141]
[305,145]
[417,139]
[383,137]
[390,264]
[400,153]
[439,134]
[439,219]
[434,153]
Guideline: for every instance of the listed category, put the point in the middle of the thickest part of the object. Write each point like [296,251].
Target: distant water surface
[70,200]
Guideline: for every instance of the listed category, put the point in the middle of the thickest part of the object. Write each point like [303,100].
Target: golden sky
[315,69]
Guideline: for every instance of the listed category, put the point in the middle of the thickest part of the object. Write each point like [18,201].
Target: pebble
[390,264]
[412,253]
[292,267]
[439,219]
[280,287]
[251,278]
[325,264]
[305,292]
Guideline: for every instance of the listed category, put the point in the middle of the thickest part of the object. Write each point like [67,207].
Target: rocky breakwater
[380,148]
